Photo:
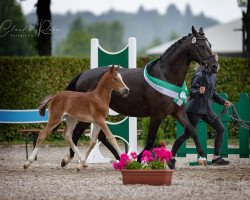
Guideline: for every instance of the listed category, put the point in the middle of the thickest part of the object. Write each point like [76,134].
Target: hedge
[25,81]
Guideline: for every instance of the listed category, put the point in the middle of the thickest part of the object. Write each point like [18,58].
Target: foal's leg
[103,139]
[70,125]
[41,137]
[102,123]
[94,136]
[78,131]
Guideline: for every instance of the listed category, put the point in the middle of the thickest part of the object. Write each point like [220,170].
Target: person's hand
[228,104]
[202,90]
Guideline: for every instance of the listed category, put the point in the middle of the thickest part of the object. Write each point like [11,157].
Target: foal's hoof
[26,165]
[84,165]
[81,165]
[202,161]
[65,161]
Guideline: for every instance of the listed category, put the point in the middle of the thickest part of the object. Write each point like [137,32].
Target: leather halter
[202,58]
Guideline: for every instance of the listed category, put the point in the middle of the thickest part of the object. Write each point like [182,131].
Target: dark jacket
[201,103]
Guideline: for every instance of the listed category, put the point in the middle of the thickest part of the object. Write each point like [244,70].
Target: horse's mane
[174,46]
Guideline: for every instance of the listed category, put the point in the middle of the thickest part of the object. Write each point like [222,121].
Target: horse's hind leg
[79,129]
[155,122]
[94,136]
[41,137]
[70,125]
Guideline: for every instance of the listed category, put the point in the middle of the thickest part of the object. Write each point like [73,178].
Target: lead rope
[235,117]
[237,121]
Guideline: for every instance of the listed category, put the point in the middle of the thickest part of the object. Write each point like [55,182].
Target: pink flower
[146,153]
[124,157]
[162,154]
[147,156]
[133,155]
[124,160]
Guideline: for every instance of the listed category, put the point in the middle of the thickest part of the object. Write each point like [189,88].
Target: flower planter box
[148,177]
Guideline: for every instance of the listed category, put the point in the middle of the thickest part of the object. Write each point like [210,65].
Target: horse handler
[199,107]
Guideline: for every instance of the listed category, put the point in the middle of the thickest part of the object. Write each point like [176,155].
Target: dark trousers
[211,119]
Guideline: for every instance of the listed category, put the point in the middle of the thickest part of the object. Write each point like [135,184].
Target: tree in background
[109,34]
[77,42]
[173,35]
[16,38]
[44,27]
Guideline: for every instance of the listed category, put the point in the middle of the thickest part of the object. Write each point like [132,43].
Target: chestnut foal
[91,107]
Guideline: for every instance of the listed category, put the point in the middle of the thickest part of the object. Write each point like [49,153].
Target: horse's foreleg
[153,127]
[79,129]
[103,139]
[182,117]
[94,136]
[107,132]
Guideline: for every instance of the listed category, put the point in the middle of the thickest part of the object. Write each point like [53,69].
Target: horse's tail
[42,106]
[72,84]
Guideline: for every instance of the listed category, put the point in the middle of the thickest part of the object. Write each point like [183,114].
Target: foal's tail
[43,104]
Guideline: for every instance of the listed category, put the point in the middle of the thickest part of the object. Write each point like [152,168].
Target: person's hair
[216,56]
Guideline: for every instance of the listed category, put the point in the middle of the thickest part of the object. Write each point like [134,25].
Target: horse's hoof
[26,165]
[202,161]
[65,161]
[79,167]
[84,165]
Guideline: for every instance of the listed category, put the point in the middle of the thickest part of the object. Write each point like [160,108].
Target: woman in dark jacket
[199,107]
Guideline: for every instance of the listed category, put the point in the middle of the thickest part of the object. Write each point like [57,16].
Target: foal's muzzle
[125,92]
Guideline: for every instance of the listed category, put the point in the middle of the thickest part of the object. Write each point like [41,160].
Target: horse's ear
[201,31]
[194,32]
[112,69]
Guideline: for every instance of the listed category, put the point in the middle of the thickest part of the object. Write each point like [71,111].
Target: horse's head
[116,82]
[201,51]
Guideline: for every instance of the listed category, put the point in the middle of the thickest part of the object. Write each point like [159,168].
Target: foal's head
[115,81]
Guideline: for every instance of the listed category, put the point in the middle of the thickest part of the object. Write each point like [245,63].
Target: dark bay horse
[88,107]
[145,101]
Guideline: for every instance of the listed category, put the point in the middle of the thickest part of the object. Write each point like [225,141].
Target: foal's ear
[194,32]
[112,69]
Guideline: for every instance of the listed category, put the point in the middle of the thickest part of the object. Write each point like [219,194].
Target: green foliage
[109,34]
[133,165]
[156,164]
[160,133]
[16,38]
[77,42]
[173,35]
[25,81]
